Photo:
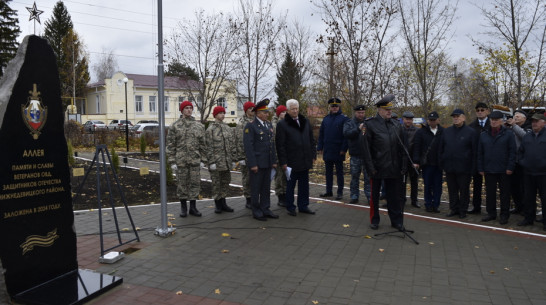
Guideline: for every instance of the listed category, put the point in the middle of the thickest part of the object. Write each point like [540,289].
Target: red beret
[247,105]
[217,110]
[184,104]
[280,109]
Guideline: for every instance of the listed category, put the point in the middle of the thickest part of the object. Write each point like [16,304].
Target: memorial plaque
[38,242]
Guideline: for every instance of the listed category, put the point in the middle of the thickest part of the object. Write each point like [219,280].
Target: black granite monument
[37,239]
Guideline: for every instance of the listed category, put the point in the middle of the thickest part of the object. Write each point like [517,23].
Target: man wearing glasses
[481,124]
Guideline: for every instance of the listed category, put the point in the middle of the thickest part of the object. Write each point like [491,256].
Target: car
[142,128]
[93,125]
[119,125]
[147,121]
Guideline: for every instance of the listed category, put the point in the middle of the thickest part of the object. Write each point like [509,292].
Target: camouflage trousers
[189,182]
[220,183]
[246,181]
[280,181]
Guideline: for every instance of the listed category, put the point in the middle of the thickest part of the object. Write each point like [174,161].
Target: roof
[150,81]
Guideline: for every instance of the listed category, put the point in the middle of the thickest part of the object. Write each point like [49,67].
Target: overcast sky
[129,28]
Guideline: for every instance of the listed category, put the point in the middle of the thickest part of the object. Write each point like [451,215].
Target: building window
[97,102]
[233,113]
[138,103]
[221,102]
[152,103]
[166,103]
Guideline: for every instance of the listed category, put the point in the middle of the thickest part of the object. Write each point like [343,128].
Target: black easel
[103,150]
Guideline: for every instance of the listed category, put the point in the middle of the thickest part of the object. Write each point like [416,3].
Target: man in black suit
[260,159]
[481,124]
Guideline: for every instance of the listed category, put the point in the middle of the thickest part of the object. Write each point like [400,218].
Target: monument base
[74,287]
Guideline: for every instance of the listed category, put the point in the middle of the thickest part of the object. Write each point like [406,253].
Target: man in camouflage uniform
[186,152]
[221,157]
[248,117]
[280,176]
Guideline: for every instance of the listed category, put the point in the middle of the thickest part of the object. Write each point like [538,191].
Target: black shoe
[339,196]
[382,197]
[225,207]
[503,220]
[307,211]
[218,206]
[291,213]
[260,218]
[193,209]
[429,209]
[248,205]
[281,201]
[451,214]
[271,215]
[183,208]
[436,210]
[515,211]
[326,195]
[462,215]
[374,226]
[525,223]
[488,218]
[474,211]
[398,226]
[416,204]
[354,201]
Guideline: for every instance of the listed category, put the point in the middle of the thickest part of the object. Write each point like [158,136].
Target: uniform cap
[386,102]
[217,110]
[457,112]
[184,104]
[334,101]
[262,105]
[394,115]
[408,114]
[433,115]
[359,108]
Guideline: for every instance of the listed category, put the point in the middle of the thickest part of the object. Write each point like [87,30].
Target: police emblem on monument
[34,114]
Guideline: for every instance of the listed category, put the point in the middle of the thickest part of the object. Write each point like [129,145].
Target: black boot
[248,204]
[282,202]
[184,208]
[193,209]
[218,204]
[224,206]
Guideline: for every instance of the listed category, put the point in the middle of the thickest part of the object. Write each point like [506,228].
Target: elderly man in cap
[280,176]
[260,159]
[333,146]
[296,152]
[352,130]
[385,160]
[186,151]
[520,128]
[425,157]
[496,161]
[248,117]
[531,158]
[481,124]
[411,173]
[457,154]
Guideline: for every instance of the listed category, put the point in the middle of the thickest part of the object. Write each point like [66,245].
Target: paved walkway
[328,258]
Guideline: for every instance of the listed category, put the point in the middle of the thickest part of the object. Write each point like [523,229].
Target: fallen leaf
[477,247]
[492,272]
[507,269]
[225,251]
[179,292]
[217,291]
[137,228]
[346,225]
[515,248]
[125,229]
[367,236]
[172,218]
[315,302]
[431,243]
[225,235]
[169,223]
[381,250]
[170,215]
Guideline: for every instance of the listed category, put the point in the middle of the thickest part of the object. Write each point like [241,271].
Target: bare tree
[257,34]
[106,65]
[426,26]
[205,44]
[521,24]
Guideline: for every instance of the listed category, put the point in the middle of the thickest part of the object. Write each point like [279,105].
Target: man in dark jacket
[457,157]
[296,152]
[531,156]
[425,157]
[481,124]
[260,159]
[333,146]
[385,160]
[351,131]
[518,126]
[411,173]
[496,161]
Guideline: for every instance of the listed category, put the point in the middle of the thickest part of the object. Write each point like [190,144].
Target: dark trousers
[300,178]
[432,179]
[458,189]
[412,176]
[477,185]
[330,176]
[502,181]
[394,205]
[260,183]
[517,187]
[534,185]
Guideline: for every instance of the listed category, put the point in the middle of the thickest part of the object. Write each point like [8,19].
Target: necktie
[298,121]
[481,123]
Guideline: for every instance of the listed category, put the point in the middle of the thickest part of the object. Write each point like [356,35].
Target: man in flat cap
[333,146]
[385,160]
[457,154]
[247,117]
[425,157]
[519,127]
[531,157]
[481,124]
[261,157]
[496,162]
[411,173]
[352,130]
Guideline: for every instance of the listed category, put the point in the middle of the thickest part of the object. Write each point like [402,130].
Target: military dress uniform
[240,154]
[186,149]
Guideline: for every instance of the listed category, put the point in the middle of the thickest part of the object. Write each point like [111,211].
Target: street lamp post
[126,80]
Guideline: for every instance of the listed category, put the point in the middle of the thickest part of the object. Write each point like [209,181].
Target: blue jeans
[330,176]
[432,179]
[303,190]
[357,167]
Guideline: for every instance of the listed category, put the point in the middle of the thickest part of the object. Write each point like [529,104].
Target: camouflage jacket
[186,142]
[220,146]
[239,144]
[274,122]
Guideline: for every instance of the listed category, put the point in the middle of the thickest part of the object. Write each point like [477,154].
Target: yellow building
[106,99]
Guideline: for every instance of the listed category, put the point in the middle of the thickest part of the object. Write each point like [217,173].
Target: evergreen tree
[288,84]
[56,28]
[74,70]
[9,30]
[179,69]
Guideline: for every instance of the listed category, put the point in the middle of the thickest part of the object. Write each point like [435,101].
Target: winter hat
[247,105]
[184,104]
[280,109]
[217,110]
